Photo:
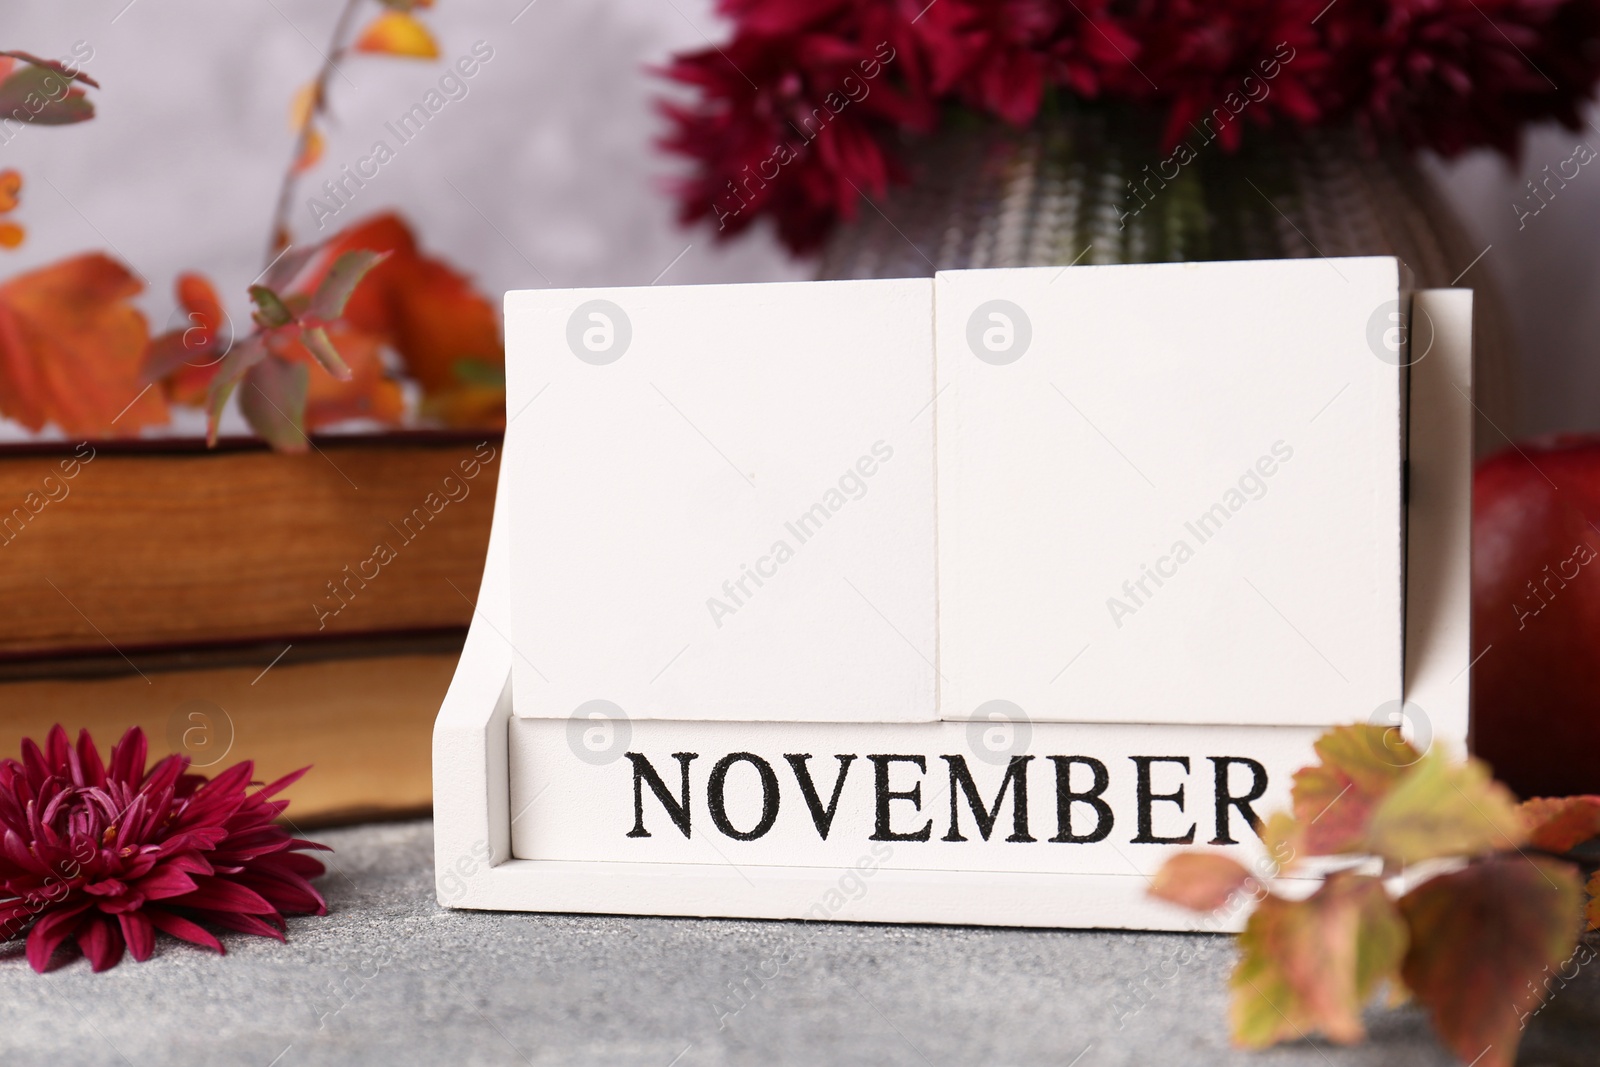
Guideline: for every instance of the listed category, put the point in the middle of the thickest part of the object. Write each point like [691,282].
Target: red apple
[1536,615]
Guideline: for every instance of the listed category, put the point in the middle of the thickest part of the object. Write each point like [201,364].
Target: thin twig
[278,237]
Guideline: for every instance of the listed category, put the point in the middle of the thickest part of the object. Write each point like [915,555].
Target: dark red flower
[769,137]
[1000,56]
[1456,74]
[108,855]
[794,115]
[1216,67]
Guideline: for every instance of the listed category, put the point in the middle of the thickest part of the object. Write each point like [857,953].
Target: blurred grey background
[546,172]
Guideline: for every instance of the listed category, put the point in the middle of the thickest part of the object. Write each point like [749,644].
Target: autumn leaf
[445,332]
[1284,839]
[302,106]
[39,93]
[286,268]
[11,234]
[1200,881]
[272,398]
[185,359]
[1334,800]
[72,349]
[1441,808]
[321,347]
[230,372]
[369,393]
[60,68]
[1560,824]
[1481,940]
[294,329]
[340,282]
[1309,966]
[395,33]
[302,109]
[311,151]
[272,311]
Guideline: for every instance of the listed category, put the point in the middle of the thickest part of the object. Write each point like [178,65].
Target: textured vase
[1097,187]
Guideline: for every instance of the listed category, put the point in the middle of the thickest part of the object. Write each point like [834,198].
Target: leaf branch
[338,47]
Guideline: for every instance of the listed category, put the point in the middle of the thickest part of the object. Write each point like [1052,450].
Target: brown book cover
[120,547]
[359,713]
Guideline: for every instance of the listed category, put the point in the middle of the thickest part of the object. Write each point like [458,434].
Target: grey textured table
[390,978]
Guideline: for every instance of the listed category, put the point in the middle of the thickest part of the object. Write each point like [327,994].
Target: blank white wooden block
[1170,493]
[723,503]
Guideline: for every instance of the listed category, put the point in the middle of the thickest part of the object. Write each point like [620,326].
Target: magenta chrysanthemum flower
[108,855]
[792,118]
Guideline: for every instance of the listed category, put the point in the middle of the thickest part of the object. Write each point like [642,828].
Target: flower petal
[128,758]
[163,882]
[101,942]
[215,894]
[47,934]
[94,770]
[183,929]
[248,924]
[139,932]
[273,788]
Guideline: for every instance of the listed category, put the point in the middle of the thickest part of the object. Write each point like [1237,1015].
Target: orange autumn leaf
[11,234]
[442,328]
[467,405]
[302,106]
[72,348]
[302,109]
[1560,824]
[185,358]
[369,393]
[198,297]
[310,151]
[395,33]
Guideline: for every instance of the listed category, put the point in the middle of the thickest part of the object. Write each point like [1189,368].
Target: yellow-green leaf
[1441,808]
[272,399]
[320,345]
[1284,840]
[1309,966]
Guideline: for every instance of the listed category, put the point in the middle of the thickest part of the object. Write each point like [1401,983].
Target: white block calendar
[993,588]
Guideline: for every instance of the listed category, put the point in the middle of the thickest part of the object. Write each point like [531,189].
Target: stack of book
[240,604]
